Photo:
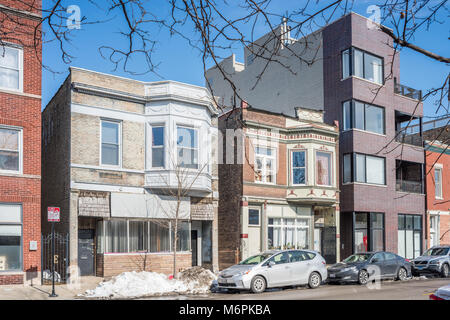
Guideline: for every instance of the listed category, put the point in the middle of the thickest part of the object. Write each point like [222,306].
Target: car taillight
[435,297]
[408,260]
[323,262]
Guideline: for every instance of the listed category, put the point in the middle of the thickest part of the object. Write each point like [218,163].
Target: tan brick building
[279,191]
[115,152]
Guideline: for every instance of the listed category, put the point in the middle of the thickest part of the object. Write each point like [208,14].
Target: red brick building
[438,193]
[20,142]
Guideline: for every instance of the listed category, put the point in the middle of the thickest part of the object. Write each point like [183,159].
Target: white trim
[105,187]
[119,124]
[438,213]
[440,169]
[86,166]
[118,115]
[20,65]
[20,147]
[259,216]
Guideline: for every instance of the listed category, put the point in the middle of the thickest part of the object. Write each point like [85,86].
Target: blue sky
[178,61]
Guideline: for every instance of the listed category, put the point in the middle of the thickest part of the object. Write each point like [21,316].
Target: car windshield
[257,259]
[360,257]
[436,252]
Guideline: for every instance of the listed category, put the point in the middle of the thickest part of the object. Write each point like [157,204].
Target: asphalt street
[413,289]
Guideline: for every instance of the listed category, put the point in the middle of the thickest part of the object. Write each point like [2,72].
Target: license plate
[419,267]
[332,276]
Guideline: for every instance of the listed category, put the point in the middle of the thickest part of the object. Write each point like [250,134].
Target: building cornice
[21,13]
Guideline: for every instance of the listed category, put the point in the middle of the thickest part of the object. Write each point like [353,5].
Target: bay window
[409,235]
[110,138]
[358,167]
[265,165]
[298,167]
[157,147]
[323,168]
[10,149]
[356,62]
[363,116]
[288,233]
[11,70]
[10,237]
[187,147]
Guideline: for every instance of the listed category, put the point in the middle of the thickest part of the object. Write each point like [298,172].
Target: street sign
[53,214]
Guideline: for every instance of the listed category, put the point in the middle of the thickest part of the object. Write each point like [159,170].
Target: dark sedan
[361,266]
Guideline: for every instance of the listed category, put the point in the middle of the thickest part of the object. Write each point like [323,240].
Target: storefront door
[86,251]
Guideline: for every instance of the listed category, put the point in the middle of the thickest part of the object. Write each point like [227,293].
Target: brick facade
[23,110]
[438,156]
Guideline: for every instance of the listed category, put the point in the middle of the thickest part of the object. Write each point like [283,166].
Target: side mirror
[271,264]
[375,260]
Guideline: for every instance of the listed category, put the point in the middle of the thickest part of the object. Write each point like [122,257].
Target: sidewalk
[41,292]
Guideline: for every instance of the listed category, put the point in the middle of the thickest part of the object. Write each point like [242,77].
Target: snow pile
[134,284]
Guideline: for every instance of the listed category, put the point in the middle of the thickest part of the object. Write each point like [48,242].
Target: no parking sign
[53,214]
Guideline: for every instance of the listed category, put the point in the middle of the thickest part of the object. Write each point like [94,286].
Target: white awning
[129,205]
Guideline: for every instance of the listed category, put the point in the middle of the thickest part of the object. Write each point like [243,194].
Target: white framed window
[298,167]
[11,149]
[324,168]
[158,149]
[11,68]
[254,216]
[438,183]
[265,165]
[111,140]
[187,147]
[288,233]
[10,237]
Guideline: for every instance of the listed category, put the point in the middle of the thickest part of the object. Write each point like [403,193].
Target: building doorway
[86,251]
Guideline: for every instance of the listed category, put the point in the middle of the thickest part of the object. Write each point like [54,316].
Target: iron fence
[61,258]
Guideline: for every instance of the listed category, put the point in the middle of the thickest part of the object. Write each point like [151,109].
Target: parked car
[275,268]
[443,293]
[435,260]
[360,266]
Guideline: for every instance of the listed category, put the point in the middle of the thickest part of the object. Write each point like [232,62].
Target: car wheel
[444,270]
[402,274]
[314,280]
[258,284]
[363,277]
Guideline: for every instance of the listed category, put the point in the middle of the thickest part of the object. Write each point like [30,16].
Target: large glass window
[409,235]
[187,144]
[10,237]
[438,183]
[323,167]
[288,233]
[362,64]
[363,116]
[253,217]
[363,168]
[110,143]
[298,167]
[121,236]
[11,72]
[157,147]
[368,231]
[265,165]
[10,145]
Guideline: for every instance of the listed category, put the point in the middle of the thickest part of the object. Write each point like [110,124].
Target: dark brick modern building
[20,143]
[355,80]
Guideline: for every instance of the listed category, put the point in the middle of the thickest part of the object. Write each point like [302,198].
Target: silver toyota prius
[275,268]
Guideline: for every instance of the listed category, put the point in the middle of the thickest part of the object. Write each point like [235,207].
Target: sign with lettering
[53,214]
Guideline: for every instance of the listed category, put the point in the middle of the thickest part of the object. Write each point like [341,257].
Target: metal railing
[413,139]
[409,186]
[407,91]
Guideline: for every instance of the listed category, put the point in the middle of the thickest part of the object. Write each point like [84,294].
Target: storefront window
[409,235]
[288,233]
[10,237]
[368,232]
[121,236]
